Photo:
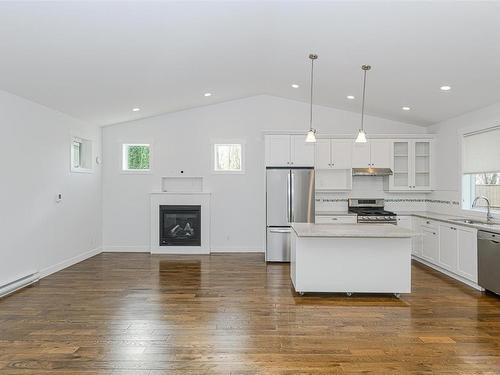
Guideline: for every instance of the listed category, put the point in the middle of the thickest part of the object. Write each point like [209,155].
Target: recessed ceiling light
[405,108]
[136,109]
[295,86]
[351,97]
[445,88]
[208,94]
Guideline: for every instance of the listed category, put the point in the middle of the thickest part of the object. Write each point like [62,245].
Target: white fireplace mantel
[180,198]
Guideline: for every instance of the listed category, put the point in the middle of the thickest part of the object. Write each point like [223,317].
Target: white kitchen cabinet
[430,249]
[336,219]
[375,153]
[404,222]
[333,154]
[411,163]
[467,253]
[285,150]
[323,154]
[361,155]
[277,150]
[448,247]
[302,152]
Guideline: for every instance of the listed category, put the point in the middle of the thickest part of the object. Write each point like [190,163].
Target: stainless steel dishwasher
[488,254]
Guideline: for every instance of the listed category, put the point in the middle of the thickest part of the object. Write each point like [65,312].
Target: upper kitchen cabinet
[333,154]
[411,165]
[375,153]
[284,150]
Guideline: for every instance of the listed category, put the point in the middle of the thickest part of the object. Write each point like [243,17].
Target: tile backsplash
[447,202]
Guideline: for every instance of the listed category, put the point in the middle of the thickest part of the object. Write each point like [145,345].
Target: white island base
[350,258]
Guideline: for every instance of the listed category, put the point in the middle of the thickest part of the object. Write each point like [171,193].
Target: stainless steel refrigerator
[289,198]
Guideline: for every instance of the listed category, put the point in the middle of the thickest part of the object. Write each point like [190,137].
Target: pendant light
[361,138]
[311,134]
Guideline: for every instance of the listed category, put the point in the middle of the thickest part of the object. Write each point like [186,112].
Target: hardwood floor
[126,313]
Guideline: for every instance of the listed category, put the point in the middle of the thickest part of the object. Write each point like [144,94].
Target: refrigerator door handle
[279,230]
[289,197]
[292,193]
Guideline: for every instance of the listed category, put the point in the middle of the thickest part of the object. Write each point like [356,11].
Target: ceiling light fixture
[445,88]
[405,108]
[295,86]
[350,97]
[207,94]
[136,109]
[361,138]
[311,134]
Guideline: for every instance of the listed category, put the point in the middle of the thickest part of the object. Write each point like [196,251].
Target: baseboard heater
[18,284]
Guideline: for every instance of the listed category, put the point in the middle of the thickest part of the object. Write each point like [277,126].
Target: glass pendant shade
[361,138]
[311,136]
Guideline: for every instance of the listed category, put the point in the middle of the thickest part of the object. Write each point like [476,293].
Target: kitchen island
[350,258]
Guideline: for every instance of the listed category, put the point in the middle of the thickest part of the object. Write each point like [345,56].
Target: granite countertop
[335,213]
[449,219]
[351,230]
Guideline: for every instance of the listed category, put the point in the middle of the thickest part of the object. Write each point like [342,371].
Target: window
[481,169]
[228,158]
[482,185]
[81,155]
[136,157]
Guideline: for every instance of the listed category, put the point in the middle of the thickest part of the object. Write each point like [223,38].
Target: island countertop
[351,230]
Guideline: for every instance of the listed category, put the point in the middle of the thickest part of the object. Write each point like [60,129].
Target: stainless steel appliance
[488,261]
[371,211]
[289,198]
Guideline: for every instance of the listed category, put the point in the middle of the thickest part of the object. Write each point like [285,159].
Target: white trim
[232,249]
[125,249]
[425,136]
[447,273]
[18,284]
[69,262]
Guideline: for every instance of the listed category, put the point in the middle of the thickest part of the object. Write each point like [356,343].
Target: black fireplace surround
[180,225]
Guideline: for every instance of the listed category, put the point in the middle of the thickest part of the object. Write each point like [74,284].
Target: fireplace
[180,225]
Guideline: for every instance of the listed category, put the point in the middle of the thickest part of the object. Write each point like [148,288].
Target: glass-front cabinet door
[401,178]
[411,165]
[421,165]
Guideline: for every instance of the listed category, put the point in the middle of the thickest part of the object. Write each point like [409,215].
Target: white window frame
[467,183]
[123,155]
[217,142]
[86,155]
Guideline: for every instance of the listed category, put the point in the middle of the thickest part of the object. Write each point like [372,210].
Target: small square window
[228,158]
[81,155]
[136,157]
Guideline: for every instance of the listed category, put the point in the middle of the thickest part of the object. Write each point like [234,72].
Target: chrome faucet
[488,214]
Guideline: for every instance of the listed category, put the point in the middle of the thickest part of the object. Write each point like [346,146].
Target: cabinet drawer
[341,219]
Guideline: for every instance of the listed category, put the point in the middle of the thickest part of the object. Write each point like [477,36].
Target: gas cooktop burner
[371,211]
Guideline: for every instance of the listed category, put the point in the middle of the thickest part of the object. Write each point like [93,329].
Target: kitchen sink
[469,221]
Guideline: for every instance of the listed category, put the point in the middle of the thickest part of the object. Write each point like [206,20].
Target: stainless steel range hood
[371,171]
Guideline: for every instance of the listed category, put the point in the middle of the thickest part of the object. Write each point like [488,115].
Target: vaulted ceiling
[98,60]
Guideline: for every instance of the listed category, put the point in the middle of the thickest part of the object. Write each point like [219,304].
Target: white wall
[181,141]
[36,232]
[448,152]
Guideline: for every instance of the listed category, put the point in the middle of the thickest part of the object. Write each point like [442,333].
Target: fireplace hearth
[180,225]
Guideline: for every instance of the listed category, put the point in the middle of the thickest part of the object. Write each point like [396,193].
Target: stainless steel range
[371,211]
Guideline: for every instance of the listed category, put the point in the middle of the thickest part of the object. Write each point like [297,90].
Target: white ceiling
[96,60]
